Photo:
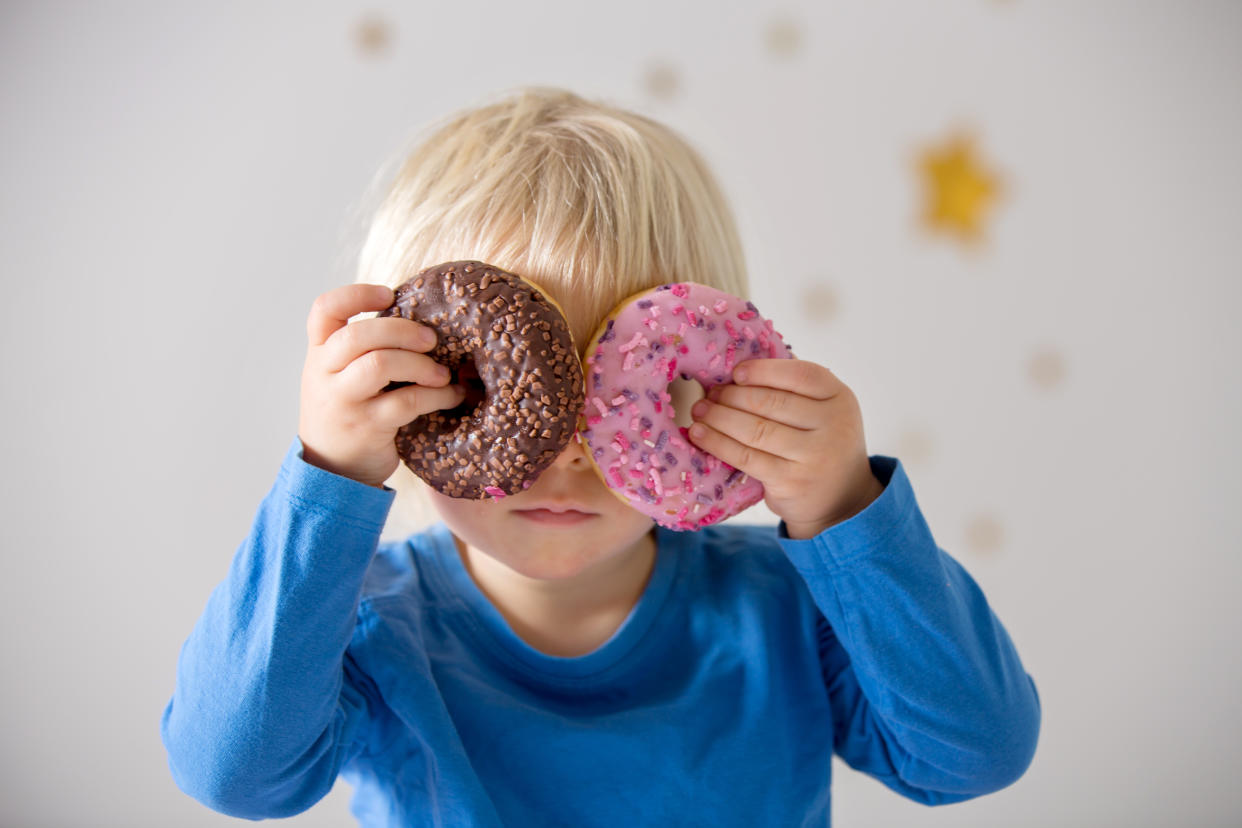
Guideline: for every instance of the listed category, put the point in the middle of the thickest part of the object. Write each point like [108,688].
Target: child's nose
[574,455]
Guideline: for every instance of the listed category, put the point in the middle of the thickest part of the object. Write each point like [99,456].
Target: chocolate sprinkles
[495,326]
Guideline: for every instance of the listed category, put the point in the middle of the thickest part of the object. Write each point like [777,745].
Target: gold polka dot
[820,303]
[915,445]
[984,535]
[1047,369]
[373,36]
[783,38]
[661,81]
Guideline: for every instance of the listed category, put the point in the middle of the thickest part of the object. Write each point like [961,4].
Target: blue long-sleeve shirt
[748,660]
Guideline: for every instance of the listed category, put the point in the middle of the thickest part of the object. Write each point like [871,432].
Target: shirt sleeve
[928,693]
[266,706]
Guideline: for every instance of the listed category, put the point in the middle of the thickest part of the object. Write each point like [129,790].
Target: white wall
[178,185]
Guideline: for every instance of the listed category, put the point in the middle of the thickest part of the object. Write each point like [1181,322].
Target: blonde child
[509,668]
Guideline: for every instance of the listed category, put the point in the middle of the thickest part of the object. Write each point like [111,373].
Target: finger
[798,375]
[333,309]
[395,408]
[750,430]
[370,373]
[754,462]
[785,407]
[352,341]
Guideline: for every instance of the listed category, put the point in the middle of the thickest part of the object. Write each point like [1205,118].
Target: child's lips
[555,515]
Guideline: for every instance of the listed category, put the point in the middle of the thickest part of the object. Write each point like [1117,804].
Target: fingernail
[698,409]
[426,337]
[442,372]
[713,393]
[739,374]
[698,431]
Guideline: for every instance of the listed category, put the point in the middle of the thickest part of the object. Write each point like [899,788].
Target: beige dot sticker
[782,38]
[661,81]
[820,303]
[915,445]
[373,36]
[1047,369]
[984,535]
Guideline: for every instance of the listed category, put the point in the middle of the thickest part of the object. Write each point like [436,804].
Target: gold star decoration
[959,189]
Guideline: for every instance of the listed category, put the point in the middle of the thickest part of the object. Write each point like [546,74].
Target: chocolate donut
[509,344]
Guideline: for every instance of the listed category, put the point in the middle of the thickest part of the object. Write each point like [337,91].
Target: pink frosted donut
[684,330]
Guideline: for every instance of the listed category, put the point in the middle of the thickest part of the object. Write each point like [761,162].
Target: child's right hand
[348,423]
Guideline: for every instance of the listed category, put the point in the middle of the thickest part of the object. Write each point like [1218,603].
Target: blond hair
[591,202]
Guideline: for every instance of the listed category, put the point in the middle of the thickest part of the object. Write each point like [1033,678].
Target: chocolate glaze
[496,325]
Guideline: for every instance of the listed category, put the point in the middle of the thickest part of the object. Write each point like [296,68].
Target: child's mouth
[548,517]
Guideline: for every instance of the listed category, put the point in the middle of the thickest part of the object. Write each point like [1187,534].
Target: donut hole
[685,393]
[467,376]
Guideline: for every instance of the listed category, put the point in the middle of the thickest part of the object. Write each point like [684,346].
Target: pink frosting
[684,330]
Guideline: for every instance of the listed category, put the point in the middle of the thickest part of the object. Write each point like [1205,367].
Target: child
[553,658]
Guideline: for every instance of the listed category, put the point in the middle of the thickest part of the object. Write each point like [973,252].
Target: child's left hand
[798,429]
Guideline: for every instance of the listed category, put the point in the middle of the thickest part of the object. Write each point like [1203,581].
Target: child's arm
[927,690]
[265,711]
[267,705]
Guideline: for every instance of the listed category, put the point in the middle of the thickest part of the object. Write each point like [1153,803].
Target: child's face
[566,523]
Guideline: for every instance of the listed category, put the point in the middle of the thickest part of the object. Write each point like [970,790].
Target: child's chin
[549,567]
[556,556]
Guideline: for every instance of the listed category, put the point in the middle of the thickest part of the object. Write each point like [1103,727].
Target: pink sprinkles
[638,339]
[645,348]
